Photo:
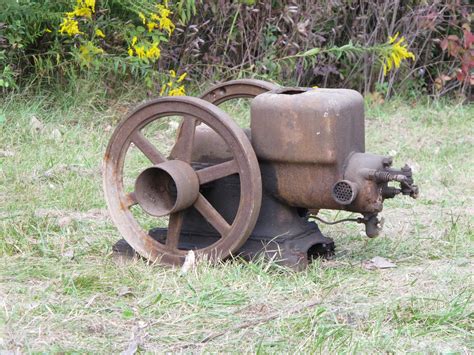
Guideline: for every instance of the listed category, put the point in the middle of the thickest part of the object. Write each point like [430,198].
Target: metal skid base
[282,233]
[292,251]
[295,251]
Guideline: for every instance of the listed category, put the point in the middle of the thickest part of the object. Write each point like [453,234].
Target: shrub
[57,41]
[228,37]
[40,42]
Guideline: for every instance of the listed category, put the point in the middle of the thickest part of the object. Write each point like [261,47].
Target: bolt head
[387,161]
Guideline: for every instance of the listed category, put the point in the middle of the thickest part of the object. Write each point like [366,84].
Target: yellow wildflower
[83,8]
[179,91]
[140,51]
[393,39]
[151,25]
[47,30]
[171,87]
[88,51]
[181,77]
[163,18]
[90,4]
[397,52]
[142,17]
[83,49]
[153,52]
[167,25]
[99,33]
[80,12]
[69,26]
[162,91]
[163,10]
[146,50]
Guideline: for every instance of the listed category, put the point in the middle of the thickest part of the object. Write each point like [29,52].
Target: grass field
[61,289]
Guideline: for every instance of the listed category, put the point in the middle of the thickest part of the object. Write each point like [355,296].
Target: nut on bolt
[387,162]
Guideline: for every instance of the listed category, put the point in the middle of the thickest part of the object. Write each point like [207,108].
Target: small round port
[344,192]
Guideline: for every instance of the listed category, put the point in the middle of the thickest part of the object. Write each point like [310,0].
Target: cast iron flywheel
[234,89]
[170,184]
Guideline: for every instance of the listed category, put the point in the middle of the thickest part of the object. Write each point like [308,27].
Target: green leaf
[127,313]
[3,118]
[311,52]
[157,299]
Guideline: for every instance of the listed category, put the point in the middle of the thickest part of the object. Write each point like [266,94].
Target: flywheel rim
[119,202]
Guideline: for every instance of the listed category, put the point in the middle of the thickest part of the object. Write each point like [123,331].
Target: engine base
[295,251]
[282,233]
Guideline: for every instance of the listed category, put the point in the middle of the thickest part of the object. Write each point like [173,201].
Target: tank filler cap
[290,90]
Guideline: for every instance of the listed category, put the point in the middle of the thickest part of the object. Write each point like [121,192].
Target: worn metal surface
[302,138]
[208,145]
[244,163]
[310,147]
[166,188]
[372,173]
[314,126]
[282,233]
[234,89]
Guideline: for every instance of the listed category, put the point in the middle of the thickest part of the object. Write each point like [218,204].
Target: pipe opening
[156,191]
[166,188]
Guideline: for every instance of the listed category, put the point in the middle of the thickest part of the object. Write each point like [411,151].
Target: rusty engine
[229,191]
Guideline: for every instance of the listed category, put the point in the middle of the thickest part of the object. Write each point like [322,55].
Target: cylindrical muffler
[167,188]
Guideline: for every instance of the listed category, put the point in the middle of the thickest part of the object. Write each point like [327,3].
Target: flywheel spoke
[211,215]
[147,148]
[174,230]
[130,200]
[217,171]
[183,147]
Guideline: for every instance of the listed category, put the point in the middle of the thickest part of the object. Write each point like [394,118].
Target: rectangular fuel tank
[318,126]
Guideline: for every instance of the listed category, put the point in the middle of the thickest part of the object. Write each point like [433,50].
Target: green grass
[61,289]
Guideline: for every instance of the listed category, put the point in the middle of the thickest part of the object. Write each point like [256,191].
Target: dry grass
[62,291]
